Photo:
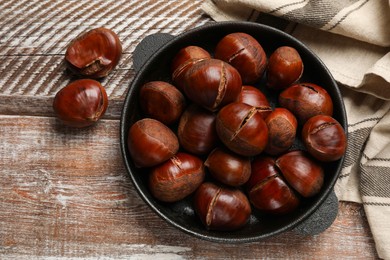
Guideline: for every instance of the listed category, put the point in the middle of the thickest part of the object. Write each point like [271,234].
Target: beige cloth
[352,37]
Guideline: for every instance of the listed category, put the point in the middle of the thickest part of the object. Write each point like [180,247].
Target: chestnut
[162,101]
[228,168]
[183,60]
[196,130]
[212,83]
[324,138]
[282,128]
[254,97]
[221,208]
[94,53]
[244,53]
[81,103]
[285,67]
[242,129]
[150,142]
[267,190]
[176,178]
[306,100]
[302,173]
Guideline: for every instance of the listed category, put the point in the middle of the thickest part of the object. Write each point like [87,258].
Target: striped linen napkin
[352,37]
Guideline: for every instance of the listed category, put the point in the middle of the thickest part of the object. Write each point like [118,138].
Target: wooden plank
[65,193]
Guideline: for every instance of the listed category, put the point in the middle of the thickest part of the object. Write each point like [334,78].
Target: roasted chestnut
[285,67]
[306,100]
[254,97]
[196,131]
[212,83]
[302,173]
[176,178]
[183,60]
[94,53]
[267,189]
[162,101]
[81,103]
[221,208]
[150,142]
[273,183]
[242,129]
[282,128]
[244,53]
[228,168]
[324,138]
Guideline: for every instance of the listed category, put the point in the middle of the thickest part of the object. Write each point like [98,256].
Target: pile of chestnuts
[211,135]
[92,55]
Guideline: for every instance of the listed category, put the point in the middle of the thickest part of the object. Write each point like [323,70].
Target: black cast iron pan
[152,59]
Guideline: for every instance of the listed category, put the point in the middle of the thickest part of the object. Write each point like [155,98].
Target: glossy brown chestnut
[306,100]
[221,208]
[285,67]
[244,53]
[254,97]
[282,128]
[176,178]
[301,172]
[242,129]
[162,101]
[150,142]
[324,138]
[94,53]
[81,103]
[228,168]
[183,60]
[212,84]
[267,190]
[196,131]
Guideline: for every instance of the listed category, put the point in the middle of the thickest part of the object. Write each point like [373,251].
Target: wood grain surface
[64,193]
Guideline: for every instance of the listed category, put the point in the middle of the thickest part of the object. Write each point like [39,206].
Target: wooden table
[65,192]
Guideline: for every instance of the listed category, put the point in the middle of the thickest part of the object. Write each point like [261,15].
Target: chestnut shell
[306,100]
[244,53]
[150,142]
[212,83]
[162,101]
[81,103]
[176,178]
[221,208]
[196,131]
[324,138]
[242,129]
[94,53]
